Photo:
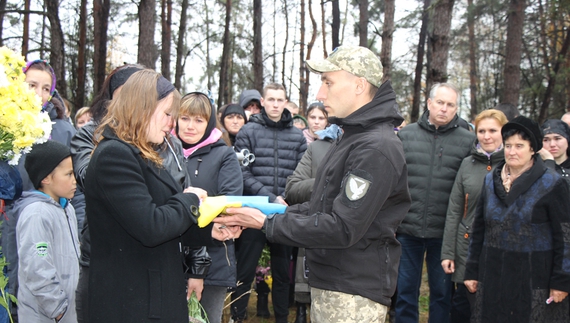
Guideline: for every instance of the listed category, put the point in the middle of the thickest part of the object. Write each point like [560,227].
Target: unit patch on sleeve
[42,249]
[356,186]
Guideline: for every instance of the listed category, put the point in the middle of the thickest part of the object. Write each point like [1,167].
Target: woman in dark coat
[486,154]
[213,166]
[519,255]
[138,214]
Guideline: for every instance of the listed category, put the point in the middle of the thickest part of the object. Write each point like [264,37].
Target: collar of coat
[521,184]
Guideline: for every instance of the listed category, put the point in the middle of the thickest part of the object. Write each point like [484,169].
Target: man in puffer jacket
[434,147]
[278,147]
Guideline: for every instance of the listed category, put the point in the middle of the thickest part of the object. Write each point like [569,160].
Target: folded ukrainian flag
[213,206]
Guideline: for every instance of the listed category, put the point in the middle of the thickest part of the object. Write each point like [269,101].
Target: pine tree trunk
[208,61]
[166,23]
[303,101]
[387,37]
[101,9]
[302,75]
[473,79]
[512,81]
[2,8]
[415,113]
[257,47]
[81,54]
[324,29]
[552,79]
[335,24]
[223,92]
[57,52]
[363,23]
[284,52]
[180,44]
[438,43]
[147,48]
[26,27]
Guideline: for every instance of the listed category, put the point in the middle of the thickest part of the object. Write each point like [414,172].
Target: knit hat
[43,159]
[356,60]
[247,96]
[529,127]
[556,126]
[233,109]
[300,117]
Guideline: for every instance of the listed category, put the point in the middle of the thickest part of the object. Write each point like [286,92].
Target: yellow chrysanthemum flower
[22,122]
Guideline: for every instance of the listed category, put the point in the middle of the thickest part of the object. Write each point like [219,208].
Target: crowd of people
[106,229]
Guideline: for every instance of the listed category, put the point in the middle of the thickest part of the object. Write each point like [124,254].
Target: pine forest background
[513,51]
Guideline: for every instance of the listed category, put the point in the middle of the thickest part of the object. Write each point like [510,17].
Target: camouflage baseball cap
[356,60]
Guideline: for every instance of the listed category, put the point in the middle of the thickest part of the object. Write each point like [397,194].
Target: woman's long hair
[130,112]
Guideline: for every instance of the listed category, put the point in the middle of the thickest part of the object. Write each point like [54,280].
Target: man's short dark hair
[274,86]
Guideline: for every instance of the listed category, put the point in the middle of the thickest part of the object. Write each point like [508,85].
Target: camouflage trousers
[336,307]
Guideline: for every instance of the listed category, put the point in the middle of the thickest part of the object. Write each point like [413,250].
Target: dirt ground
[252,318]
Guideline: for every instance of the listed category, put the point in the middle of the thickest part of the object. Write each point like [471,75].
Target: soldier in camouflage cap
[356,60]
[360,195]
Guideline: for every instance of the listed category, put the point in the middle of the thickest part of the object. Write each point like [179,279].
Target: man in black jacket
[359,198]
[278,147]
[435,147]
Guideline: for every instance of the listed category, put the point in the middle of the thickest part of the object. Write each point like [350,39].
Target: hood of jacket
[29,197]
[206,149]
[382,108]
[425,124]
[286,120]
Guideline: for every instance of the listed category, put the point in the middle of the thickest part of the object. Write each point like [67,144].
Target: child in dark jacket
[47,240]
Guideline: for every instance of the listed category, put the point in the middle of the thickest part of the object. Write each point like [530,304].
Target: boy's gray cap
[356,60]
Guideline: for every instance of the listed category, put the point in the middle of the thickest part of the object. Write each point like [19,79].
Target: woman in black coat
[213,166]
[138,215]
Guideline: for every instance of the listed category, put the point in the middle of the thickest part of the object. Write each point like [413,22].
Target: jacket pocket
[155,293]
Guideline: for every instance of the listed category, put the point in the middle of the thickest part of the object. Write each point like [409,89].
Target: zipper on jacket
[387,251]
[275,164]
[428,191]
[465,205]
[323,195]
[197,166]
[440,155]
[78,254]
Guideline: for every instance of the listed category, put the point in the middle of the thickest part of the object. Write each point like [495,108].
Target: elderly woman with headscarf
[519,255]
